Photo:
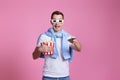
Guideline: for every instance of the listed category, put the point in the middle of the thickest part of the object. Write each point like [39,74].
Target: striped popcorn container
[50,43]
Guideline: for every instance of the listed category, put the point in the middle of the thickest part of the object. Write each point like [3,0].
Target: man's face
[57,22]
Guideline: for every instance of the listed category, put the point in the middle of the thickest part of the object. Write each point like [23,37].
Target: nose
[57,23]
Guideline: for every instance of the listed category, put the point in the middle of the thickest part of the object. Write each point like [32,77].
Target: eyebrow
[57,19]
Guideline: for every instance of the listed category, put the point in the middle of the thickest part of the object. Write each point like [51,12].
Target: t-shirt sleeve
[38,44]
[42,38]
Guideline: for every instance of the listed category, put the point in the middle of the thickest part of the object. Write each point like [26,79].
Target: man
[56,65]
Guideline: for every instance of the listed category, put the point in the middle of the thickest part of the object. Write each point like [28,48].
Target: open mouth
[57,26]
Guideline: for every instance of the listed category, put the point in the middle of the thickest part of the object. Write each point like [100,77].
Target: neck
[57,31]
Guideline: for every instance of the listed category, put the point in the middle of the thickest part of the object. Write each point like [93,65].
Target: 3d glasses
[57,20]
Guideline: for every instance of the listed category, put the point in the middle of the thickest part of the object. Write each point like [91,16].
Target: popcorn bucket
[49,44]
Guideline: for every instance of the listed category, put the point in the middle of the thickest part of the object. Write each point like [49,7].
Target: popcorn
[45,39]
[50,43]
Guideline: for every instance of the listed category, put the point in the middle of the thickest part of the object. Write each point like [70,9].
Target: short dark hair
[57,13]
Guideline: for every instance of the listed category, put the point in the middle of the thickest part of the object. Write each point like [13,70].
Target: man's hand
[71,39]
[44,48]
[75,44]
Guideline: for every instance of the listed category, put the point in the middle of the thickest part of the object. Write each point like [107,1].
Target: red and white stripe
[49,44]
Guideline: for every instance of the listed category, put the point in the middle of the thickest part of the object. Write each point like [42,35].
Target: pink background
[96,23]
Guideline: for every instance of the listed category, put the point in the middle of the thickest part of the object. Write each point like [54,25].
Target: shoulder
[43,37]
[66,34]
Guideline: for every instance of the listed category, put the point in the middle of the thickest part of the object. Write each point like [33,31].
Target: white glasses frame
[54,21]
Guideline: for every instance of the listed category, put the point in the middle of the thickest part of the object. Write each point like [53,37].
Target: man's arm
[76,45]
[36,53]
[42,49]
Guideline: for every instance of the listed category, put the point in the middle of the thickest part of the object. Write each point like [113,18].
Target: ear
[50,21]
